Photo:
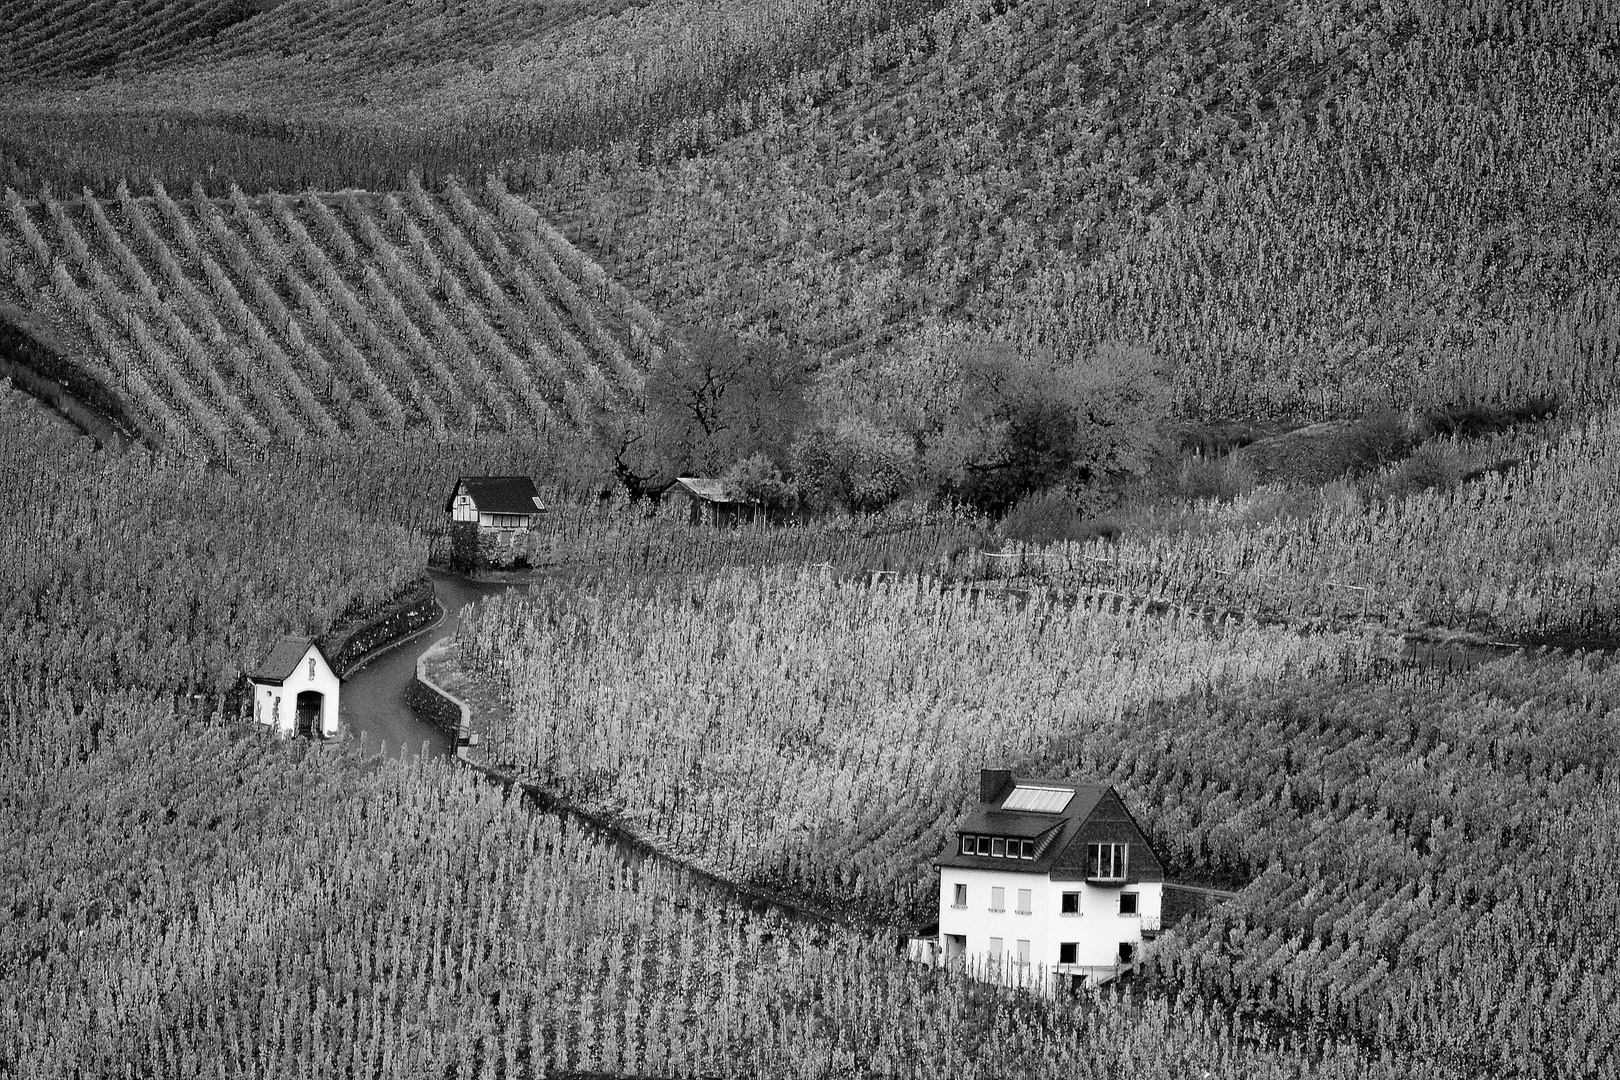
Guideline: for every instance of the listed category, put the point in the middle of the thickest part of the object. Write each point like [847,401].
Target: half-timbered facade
[495,503]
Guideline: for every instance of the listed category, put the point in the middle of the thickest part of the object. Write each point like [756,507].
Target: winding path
[373,706]
[373,700]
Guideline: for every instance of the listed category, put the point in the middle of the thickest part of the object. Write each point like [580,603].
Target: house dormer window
[996,847]
[1106,861]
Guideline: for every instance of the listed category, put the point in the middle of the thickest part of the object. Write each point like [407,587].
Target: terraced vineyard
[38,42]
[278,318]
[192,35]
[316,93]
[1423,856]
[1309,219]
[1527,554]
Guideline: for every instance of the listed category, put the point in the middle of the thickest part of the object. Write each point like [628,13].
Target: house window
[984,845]
[959,899]
[997,947]
[1127,952]
[1071,903]
[1106,862]
[998,898]
[1023,901]
[967,845]
[998,847]
[312,667]
[1026,849]
[1068,952]
[1127,903]
[1023,952]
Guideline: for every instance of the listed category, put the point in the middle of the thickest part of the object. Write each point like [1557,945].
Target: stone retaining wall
[437,705]
[346,646]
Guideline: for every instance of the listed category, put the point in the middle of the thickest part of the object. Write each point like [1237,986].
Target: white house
[499,503]
[1048,883]
[295,690]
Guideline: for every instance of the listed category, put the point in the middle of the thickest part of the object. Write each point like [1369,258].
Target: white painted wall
[1097,931]
[277,706]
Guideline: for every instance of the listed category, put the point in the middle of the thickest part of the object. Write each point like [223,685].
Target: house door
[310,703]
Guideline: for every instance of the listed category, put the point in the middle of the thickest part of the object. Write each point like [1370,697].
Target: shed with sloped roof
[712,502]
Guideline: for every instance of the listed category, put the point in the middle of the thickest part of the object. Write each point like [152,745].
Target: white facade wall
[277,706]
[462,509]
[1098,930]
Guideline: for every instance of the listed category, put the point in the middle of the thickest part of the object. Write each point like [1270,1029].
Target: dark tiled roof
[283,660]
[1056,832]
[498,494]
[992,822]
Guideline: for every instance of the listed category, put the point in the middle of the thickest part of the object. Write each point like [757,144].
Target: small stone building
[295,690]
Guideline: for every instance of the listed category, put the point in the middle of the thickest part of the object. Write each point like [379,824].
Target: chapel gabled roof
[498,494]
[284,659]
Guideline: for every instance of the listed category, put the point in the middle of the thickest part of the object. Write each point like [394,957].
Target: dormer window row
[998,847]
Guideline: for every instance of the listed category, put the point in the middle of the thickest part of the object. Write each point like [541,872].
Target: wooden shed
[713,502]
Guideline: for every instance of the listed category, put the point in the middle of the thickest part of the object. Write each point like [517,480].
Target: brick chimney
[993,783]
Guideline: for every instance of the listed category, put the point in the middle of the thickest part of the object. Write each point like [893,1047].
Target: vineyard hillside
[315,93]
[1311,209]
[1308,209]
[972,299]
[277,318]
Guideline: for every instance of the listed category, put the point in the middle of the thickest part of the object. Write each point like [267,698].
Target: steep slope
[319,94]
[1309,208]
[278,318]
[50,41]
